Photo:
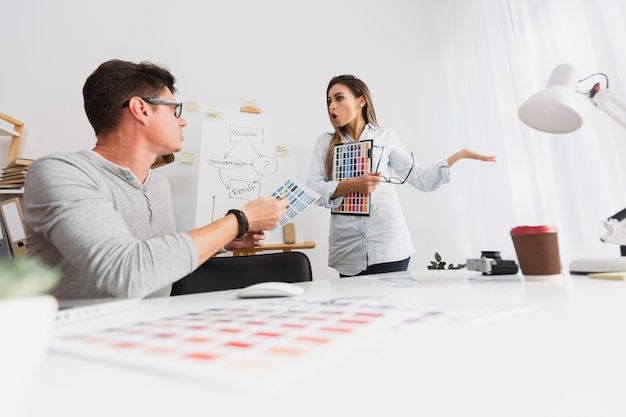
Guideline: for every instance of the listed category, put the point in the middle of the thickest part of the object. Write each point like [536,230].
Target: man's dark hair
[116,81]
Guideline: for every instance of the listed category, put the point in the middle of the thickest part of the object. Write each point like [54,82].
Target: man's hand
[265,212]
[248,240]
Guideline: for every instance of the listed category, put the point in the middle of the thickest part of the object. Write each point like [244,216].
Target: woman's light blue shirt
[356,241]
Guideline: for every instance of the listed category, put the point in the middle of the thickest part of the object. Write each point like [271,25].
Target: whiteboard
[243,156]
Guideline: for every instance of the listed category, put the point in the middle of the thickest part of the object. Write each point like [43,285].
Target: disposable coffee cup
[537,249]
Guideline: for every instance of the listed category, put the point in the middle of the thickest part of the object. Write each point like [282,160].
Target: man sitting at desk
[104,218]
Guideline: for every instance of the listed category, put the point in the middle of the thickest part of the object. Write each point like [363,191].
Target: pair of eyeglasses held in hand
[396,180]
[178,109]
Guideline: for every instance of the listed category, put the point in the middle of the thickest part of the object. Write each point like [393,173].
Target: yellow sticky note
[250,103]
[191,105]
[186,157]
[281,150]
[213,112]
[615,276]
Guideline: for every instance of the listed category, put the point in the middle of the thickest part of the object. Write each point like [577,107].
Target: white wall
[281,53]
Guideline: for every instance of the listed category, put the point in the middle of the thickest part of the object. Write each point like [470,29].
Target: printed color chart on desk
[243,346]
[299,196]
[350,161]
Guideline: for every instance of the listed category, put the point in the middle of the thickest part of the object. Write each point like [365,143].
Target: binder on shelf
[5,246]
[11,211]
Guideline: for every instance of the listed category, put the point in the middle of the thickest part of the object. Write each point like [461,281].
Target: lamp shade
[554,109]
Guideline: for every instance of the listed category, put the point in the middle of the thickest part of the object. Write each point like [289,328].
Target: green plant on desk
[439,264]
[24,276]
[27,317]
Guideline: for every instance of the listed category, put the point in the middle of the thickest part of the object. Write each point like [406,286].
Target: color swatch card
[352,160]
[300,197]
[247,346]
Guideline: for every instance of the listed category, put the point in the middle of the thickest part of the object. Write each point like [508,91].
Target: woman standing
[378,242]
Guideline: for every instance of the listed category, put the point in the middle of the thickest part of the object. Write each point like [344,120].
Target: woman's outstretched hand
[469,154]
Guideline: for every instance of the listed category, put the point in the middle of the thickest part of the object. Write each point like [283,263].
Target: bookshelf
[11,128]
[7,132]
[15,133]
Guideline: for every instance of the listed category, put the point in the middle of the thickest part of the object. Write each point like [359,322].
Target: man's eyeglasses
[177,110]
[395,180]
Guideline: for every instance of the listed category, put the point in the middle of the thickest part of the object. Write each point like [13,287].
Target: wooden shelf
[285,247]
[7,132]
[15,134]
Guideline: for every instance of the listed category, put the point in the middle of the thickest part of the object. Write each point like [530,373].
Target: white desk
[565,357]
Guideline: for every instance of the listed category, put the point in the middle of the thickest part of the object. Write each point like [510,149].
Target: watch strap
[242,220]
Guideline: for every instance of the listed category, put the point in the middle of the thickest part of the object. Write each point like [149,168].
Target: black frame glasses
[178,110]
[395,180]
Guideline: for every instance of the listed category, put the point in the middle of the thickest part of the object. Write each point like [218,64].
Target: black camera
[490,263]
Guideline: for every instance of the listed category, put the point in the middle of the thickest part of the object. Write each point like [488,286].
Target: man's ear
[139,109]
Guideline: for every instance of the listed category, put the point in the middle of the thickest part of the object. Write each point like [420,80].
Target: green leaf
[25,276]
[437,257]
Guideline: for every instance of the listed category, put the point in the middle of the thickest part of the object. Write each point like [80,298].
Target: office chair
[233,272]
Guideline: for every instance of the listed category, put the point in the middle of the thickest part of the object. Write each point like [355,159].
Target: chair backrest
[233,272]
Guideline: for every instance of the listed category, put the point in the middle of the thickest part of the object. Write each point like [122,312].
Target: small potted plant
[27,315]
[438,263]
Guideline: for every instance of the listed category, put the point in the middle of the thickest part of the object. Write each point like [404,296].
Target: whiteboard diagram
[263,165]
[243,156]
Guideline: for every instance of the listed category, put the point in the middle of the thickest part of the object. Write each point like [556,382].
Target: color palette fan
[352,160]
[300,197]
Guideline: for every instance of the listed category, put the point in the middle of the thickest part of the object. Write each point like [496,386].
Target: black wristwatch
[242,220]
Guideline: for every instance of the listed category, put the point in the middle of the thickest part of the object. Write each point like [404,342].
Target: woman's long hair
[358,89]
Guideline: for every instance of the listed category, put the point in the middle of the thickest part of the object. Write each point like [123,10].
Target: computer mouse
[269,289]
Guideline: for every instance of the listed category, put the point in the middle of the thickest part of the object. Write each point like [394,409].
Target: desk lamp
[555,110]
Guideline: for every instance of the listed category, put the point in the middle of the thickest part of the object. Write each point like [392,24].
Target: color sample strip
[352,160]
[300,198]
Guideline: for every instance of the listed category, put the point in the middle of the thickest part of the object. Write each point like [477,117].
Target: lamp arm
[602,98]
